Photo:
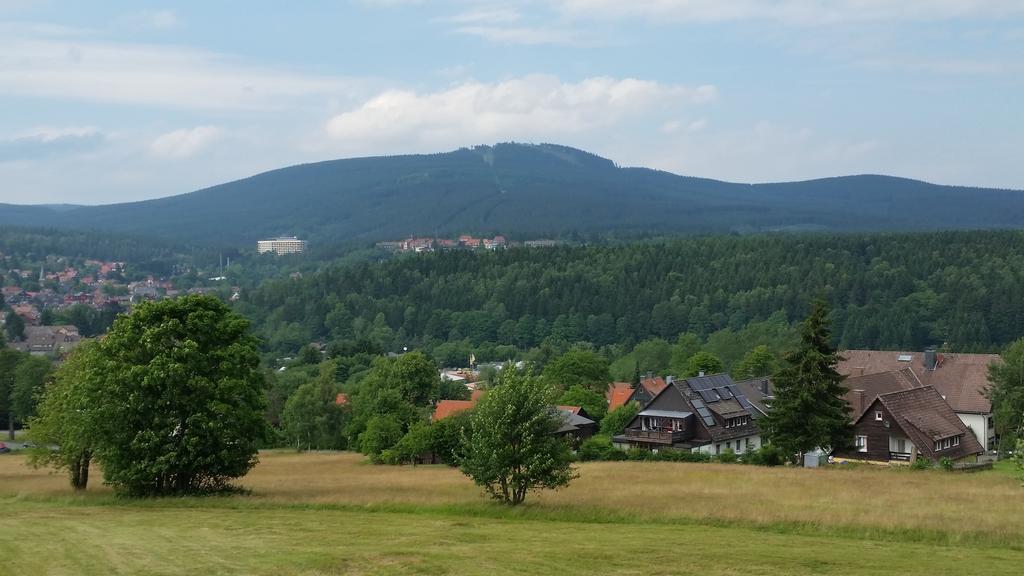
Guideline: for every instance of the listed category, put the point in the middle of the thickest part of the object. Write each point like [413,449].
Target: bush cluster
[600,448]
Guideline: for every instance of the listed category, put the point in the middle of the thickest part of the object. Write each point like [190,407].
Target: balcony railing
[655,436]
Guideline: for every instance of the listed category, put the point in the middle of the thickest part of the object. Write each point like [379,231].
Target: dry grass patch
[986,506]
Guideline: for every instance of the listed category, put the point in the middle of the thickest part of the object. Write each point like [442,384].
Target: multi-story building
[281,245]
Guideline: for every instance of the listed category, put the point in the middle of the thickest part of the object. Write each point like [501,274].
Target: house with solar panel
[708,414]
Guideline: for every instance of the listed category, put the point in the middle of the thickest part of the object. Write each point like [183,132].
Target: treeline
[961,290]
[37,243]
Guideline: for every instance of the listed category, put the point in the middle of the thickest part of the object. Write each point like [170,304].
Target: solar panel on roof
[697,404]
[708,421]
[709,395]
[744,402]
[724,392]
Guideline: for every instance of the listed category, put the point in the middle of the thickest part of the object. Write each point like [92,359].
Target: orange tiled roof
[618,394]
[446,408]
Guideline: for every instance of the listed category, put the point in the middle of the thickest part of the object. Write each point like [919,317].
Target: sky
[108,101]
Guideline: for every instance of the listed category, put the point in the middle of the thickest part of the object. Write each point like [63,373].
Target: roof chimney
[930,359]
[858,400]
[701,374]
[764,386]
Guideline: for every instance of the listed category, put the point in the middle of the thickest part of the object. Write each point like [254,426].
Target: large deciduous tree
[175,398]
[513,448]
[703,362]
[579,367]
[312,418]
[1006,391]
[757,363]
[29,380]
[809,409]
[9,361]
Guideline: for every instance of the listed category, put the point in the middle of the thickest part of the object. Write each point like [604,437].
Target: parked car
[3,448]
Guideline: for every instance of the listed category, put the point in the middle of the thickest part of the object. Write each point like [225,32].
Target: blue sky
[115,101]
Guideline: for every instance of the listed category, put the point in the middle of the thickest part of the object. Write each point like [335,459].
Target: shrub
[946,464]
[766,455]
[597,448]
[447,441]
[727,457]
[615,422]
[921,464]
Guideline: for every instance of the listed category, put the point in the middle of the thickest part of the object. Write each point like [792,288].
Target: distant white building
[281,245]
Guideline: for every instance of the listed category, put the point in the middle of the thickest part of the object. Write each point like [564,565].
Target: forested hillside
[961,290]
[525,191]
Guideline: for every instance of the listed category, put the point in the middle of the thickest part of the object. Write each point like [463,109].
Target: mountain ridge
[525,190]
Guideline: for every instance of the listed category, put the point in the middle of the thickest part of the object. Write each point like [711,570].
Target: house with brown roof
[708,414]
[961,379]
[908,424]
[577,424]
[648,389]
[43,340]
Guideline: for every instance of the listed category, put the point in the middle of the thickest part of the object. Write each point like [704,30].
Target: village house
[576,423]
[908,424]
[622,393]
[48,340]
[708,414]
[961,379]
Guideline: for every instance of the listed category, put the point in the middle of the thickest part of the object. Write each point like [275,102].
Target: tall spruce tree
[809,410]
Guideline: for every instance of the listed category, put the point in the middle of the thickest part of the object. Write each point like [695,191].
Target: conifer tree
[809,410]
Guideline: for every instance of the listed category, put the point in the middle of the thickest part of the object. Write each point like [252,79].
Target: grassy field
[334,514]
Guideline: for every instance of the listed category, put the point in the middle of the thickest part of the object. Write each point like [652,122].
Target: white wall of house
[744,445]
[978,423]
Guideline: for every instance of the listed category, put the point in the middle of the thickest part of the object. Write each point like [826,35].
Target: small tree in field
[512,448]
[66,418]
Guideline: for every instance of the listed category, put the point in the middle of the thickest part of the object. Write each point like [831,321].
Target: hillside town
[60,302]
[421,244]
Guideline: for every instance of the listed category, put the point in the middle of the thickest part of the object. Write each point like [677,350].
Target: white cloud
[158,19]
[677,126]
[49,141]
[942,66]
[803,12]
[763,152]
[527,108]
[185,142]
[524,35]
[488,15]
[152,75]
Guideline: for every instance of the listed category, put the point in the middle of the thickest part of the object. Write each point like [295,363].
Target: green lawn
[54,538]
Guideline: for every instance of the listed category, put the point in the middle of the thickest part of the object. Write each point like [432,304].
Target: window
[718,448]
[878,416]
[946,443]
[862,443]
[956,441]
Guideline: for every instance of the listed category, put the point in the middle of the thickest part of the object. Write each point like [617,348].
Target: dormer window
[947,443]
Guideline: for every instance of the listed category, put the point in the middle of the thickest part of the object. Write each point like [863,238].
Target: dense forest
[524,191]
[963,291]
